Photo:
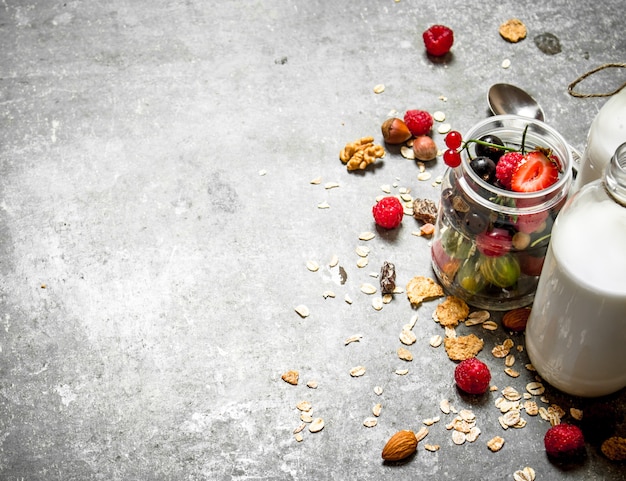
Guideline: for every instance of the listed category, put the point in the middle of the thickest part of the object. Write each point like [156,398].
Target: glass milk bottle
[576,332]
[607,132]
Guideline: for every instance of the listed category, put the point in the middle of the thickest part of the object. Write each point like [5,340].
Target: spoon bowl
[508,99]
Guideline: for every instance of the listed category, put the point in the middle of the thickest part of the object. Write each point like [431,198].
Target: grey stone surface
[150,272]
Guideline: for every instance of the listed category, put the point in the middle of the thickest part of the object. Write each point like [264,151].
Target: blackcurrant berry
[475,223]
[494,153]
[485,168]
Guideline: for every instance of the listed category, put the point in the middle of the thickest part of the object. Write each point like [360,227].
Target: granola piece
[425,210]
[421,288]
[463,347]
[291,377]
[513,30]
[451,311]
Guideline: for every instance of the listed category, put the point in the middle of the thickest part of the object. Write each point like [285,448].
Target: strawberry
[472,376]
[564,442]
[388,212]
[506,167]
[438,40]
[536,172]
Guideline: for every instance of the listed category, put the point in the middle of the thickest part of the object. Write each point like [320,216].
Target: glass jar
[576,331]
[490,243]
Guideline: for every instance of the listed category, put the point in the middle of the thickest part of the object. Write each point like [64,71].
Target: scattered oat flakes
[531,408]
[439,116]
[431,421]
[477,317]
[377,409]
[489,325]
[451,311]
[436,340]
[526,474]
[351,339]
[299,428]
[405,354]
[445,407]
[407,337]
[366,236]
[378,390]
[401,372]
[312,266]
[444,128]
[377,303]
[421,434]
[511,372]
[407,152]
[305,406]
[370,422]
[500,351]
[473,434]
[495,444]
[379,89]
[362,262]
[302,310]
[509,360]
[316,425]
[306,417]
[432,447]
[362,251]
[506,63]
[535,388]
[298,437]
[422,176]
[291,377]
[323,205]
[463,347]
[328,294]
[458,437]
[262,172]
[348,299]
[357,371]
[368,288]
[577,414]
[511,394]
[312,384]
[316,181]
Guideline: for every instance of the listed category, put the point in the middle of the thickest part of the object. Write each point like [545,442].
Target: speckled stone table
[157,215]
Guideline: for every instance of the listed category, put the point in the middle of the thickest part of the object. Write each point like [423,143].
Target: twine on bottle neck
[570,87]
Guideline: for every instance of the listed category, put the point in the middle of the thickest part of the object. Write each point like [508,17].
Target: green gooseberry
[456,244]
[502,271]
[469,276]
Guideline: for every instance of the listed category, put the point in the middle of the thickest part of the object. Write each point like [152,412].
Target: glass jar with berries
[507,180]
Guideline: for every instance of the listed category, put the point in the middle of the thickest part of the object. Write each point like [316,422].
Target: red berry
[452,158]
[438,40]
[495,242]
[453,140]
[472,376]
[419,122]
[564,441]
[506,166]
[388,212]
[537,172]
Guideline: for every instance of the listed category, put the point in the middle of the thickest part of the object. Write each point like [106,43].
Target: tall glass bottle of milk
[607,132]
[576,333]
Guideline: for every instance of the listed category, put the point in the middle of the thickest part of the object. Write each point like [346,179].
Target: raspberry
[438,40]
[472,376]
[564,442]
[388,212]
[419,122]
[506,167]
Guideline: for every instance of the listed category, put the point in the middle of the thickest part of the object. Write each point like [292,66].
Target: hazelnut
[424,148]
[395,131]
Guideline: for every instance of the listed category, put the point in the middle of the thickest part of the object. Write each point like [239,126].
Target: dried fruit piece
[388,278]
[425,210]
[400,446]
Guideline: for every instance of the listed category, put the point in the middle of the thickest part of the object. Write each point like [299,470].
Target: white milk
[576,335]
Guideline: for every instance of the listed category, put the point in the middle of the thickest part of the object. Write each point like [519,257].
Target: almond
[395,131]
[401,445]
[516,319]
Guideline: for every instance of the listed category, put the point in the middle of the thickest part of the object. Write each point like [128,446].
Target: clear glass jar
[576,332]
[490,243]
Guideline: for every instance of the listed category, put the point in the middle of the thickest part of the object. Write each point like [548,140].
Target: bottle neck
[615,175]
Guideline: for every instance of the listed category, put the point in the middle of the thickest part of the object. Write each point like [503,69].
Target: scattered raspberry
[506,167]
[564,441]
[472,376]
[438,40]
[419,122]
[388,212]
